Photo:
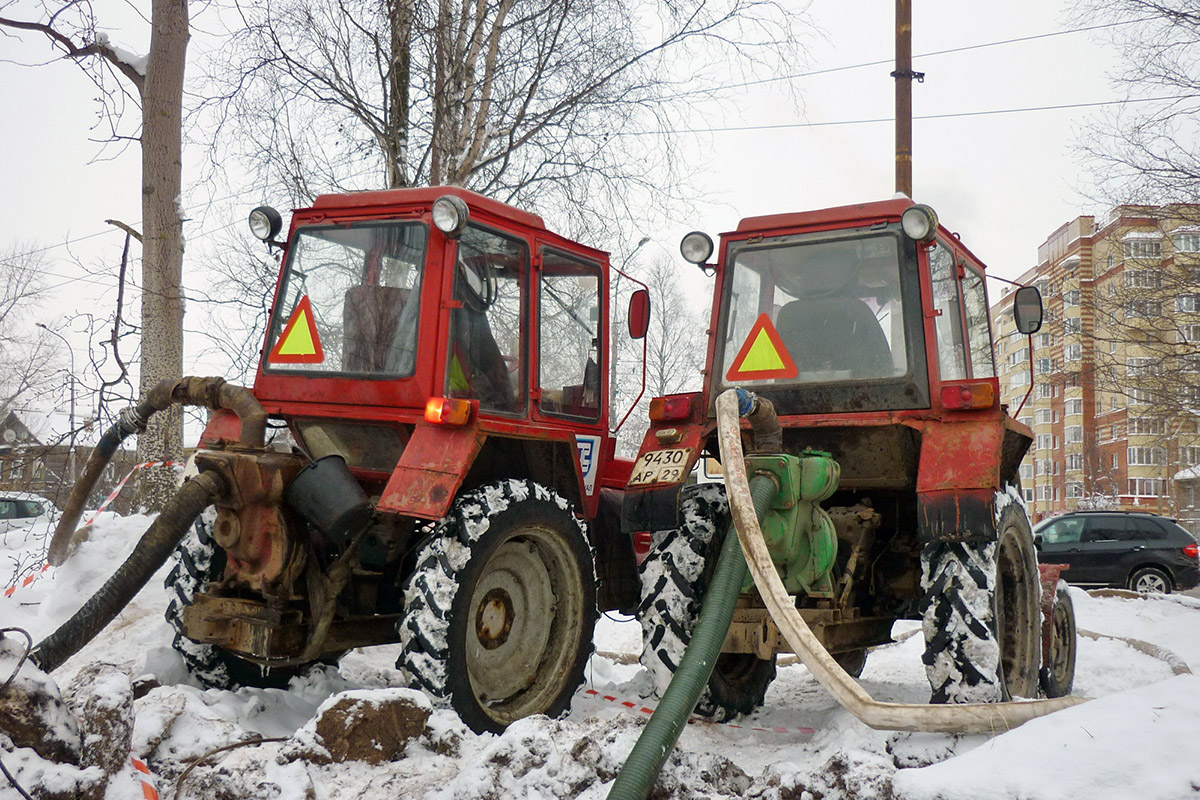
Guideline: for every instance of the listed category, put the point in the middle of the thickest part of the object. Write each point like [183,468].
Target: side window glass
[979,331]
[28,508]
[1064,531]
[952,355]
[8,509]
[487,342]
[1148,529]
[1106,529]
[569,335]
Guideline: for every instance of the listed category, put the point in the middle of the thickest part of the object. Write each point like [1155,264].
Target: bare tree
[541,102]
[156,82]
[1145,152]
[676,346]
[26,366]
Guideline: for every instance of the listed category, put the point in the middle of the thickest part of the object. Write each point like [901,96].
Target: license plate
[662,466]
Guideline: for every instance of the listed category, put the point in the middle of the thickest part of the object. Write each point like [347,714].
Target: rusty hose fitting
[151,552]
[213,393]
[764,423]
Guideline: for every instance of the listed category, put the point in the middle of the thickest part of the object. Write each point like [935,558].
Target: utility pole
[904,76]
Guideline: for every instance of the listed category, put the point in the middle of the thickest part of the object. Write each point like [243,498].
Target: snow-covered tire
[674,578]
[500,609]
[1058,674]
[981,615]
[196,561]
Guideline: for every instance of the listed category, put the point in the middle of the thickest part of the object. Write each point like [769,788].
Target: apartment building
[1114,397]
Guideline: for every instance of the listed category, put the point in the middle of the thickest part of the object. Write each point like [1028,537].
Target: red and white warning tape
[638,706]
[148,790]
[29,579]
[113,494]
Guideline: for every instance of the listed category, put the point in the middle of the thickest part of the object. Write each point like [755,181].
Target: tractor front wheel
[982,615]
[675,576]
[500,609]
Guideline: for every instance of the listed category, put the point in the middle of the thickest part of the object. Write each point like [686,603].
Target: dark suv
[1124,549]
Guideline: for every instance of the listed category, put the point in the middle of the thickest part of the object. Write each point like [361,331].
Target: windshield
[819,312]
[350,300]
[825,322]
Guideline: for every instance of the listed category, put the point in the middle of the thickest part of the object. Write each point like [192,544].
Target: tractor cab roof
[826,216]
[424,196]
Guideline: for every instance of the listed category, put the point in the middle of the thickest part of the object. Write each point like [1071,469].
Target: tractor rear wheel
[982,615]
[675,576]
[197,561]
[1058,674]
[501,607]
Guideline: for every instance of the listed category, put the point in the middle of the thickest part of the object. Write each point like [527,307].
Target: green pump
[799,533]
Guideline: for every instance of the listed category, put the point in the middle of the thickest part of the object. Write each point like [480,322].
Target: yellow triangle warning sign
[299,343]
[763,355]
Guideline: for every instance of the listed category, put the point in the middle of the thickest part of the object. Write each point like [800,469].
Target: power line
[932,53]
[872,121]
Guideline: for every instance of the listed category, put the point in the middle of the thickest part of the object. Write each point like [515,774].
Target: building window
[1073,407]
[1047,339]
[1072,325]
[1143,308]
[1027,494]
[1146,456]
[1143,279]
[1071,298]
[1043,416]
[1074,434]
[1044,391]
[1142,366]
[1187,303]
[1026,471]
[18,469]
[1073,352]
[1116,461]
[1043,492]
[1145,487]
[1187,242]
[1044,441]
[1074,462]
[1045,365]
[1146,426]
[1190,333]
[1074,489]
[1189,455]
[1142,397]
[1142,248]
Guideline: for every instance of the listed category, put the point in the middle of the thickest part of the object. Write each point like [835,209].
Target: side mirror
[1027,309]
[639,314]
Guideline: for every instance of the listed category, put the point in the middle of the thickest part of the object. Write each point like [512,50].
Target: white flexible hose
[966,718]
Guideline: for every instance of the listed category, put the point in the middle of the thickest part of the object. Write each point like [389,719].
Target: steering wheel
[478,285]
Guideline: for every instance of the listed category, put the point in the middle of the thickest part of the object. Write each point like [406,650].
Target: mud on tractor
[424,459]
[858,339]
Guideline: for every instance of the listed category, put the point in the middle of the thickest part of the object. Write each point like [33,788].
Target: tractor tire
[853,661]
[197,561]
[981,615]
[1150,580]
[674,578]
[1058,674]
[500,609]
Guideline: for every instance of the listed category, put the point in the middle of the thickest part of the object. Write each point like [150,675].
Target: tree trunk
[396,147]
[162,251]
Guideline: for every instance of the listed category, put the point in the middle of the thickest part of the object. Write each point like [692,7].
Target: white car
[30,516]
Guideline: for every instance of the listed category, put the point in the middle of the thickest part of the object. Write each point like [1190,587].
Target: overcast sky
[1004,181]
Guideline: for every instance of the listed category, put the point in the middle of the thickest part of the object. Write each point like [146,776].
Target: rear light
[969,395]
[672,407]
[641,545]
[1192,550]
[447,411]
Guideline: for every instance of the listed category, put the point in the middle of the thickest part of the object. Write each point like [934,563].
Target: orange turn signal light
[975,394]
[447,411]
[671,407]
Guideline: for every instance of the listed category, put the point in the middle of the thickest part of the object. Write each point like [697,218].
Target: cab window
[487,330]
[979,331]
[569,336]
[952,352]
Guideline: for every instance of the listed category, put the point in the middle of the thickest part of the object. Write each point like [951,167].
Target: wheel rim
[1064,634]
[525,620]
[1015,610]
[1150,583]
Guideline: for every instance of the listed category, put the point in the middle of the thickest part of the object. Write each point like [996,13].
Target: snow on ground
[1129,742]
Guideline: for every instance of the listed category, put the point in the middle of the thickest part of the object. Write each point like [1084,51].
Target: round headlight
[265,223]
[450,215]
[696,247]
[920,222]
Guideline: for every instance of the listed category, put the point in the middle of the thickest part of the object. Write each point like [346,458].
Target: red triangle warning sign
[299,343]
[763,355]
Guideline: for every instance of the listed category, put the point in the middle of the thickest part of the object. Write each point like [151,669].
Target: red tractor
[867,329]
[438,470]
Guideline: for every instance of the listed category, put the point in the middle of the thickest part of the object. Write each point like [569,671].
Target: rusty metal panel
[960,455]
[431,469]
[956,515]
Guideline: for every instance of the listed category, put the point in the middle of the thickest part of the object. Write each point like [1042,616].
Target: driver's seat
[825,334]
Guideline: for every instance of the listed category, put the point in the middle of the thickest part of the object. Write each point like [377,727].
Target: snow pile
[1125,744]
